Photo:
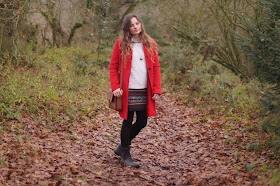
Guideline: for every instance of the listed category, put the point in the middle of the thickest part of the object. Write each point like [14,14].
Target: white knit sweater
[139,74]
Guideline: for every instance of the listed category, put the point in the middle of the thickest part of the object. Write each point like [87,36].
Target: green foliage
[262,47]
[248,46]
[4,163]
[176,64]
[59,84]
[250,167]
[275,177]
[103,24]
[276,145]
[253,146]
[210,83]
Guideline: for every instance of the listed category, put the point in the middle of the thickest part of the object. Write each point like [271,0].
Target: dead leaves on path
[178,147]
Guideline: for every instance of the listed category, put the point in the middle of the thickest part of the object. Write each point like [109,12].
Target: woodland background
[220,57]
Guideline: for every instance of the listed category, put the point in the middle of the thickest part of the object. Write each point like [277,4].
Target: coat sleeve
[156,68]
[114,67]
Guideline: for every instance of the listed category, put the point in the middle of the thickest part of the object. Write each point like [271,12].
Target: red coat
[154,83]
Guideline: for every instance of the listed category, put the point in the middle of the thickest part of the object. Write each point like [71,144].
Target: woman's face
[135,27]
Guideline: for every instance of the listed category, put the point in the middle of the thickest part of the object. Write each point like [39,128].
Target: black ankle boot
[126,158]
[118,150]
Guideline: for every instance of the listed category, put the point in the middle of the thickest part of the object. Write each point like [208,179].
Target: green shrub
[51,85]
[275,177]
[209,82]
[261,46]
[177,62]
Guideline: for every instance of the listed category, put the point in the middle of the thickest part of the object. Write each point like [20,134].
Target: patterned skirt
[137,99]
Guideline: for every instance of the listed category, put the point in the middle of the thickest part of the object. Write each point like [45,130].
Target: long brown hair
[125,37]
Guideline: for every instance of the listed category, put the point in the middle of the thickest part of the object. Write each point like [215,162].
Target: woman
[141,84]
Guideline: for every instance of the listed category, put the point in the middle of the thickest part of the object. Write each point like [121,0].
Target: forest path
[178,147]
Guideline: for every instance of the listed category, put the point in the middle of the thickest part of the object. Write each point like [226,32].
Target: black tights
[129,130]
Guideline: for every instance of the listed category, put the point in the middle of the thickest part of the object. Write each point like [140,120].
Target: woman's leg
[140,123]
[126,130]
[125,134]
[125,141]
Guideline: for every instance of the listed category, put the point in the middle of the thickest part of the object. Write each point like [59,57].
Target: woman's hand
[156,97]
[118,92]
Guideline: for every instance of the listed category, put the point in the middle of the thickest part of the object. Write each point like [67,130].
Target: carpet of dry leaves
[176,148]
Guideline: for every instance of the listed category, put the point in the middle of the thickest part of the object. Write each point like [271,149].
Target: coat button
[149,68]
[147,56]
